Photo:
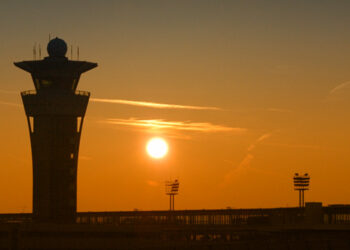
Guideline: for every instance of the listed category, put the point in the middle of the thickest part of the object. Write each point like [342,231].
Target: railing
[77,92]
[28,92]
[337,214]
[19,217]
[275,216]
[82,92]
[195,217]
[334,214]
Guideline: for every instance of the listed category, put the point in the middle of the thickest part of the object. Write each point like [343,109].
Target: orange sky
[251,93]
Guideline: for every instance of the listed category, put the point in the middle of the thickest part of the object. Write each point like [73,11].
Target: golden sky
[246,93]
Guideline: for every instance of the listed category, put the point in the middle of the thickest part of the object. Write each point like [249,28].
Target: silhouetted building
[55,113]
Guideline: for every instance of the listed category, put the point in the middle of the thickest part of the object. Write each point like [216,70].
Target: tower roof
[59,67]
[56,71]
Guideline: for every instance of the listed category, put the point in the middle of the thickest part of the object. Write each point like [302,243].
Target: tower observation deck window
[69,83]
[31,123]
[78,123]
[74,84]
[37,83]
[46,83]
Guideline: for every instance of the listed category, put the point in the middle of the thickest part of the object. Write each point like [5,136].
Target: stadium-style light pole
[172,189]
[301,183]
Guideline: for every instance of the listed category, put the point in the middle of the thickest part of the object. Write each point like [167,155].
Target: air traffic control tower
[55,112]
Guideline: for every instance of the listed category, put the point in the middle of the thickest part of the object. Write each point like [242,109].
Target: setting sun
[157,148]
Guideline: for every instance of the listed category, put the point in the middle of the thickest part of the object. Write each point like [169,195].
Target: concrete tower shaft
[55,112]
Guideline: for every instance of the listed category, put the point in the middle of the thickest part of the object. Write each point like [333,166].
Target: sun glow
[157,148]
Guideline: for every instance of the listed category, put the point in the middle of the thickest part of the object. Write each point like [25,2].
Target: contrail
[152,104]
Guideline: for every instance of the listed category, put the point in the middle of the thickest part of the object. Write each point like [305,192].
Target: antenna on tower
[39,51]
[78,53]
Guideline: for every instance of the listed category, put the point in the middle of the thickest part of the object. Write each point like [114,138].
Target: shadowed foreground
[312,227]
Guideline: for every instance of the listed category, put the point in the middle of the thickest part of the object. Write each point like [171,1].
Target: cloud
[10,104]
[174,125]
[245,162]
[137,103]
[152,104]
[258,141]
[237,171]
[5,91]
[345,85]
[339,94]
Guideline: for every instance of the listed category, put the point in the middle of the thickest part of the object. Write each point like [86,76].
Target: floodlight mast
[301,183]
[172,189]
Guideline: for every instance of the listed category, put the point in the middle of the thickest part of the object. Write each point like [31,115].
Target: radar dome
[57,48]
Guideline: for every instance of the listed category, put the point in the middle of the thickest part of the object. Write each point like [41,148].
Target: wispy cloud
[258,141]
[10,104]
[152,104]
[339,93]
[249,157]
[5,91]
[175,125]
[246,161]
[342,86]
